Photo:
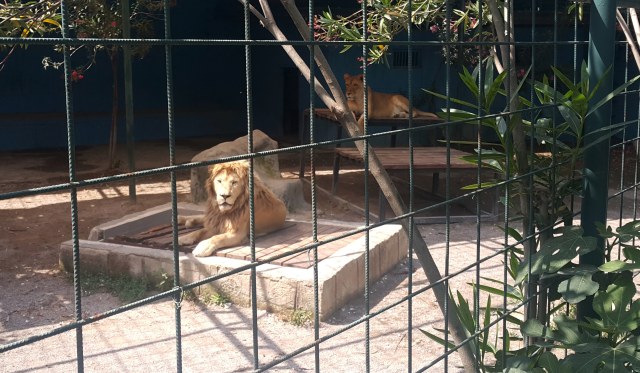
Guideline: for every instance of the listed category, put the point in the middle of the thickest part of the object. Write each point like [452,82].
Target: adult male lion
[381,105]
[226,219]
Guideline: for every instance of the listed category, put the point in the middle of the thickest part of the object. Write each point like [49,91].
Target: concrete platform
[280,289]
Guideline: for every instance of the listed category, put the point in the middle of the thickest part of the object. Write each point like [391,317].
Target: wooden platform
[433,159]
[327,115]
[291,236]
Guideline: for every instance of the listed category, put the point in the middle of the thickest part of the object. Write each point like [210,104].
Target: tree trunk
[508,53]
[114,113]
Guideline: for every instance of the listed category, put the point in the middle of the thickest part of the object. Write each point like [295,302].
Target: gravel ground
[35,297]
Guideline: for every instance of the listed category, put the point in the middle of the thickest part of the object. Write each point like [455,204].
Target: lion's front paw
[203,249]
[191,223]
[185,240]
[182,219]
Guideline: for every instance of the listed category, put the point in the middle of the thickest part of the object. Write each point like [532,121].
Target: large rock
[288,190]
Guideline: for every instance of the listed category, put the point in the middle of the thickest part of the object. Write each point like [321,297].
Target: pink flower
[113,24]
[434,29]
[74,74]
[80,76]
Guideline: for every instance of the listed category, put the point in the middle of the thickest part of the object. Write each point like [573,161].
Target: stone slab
[279,289]
[141,221]
[287,190]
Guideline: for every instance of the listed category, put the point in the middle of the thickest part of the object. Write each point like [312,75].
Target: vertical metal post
[596,158]
[365,114]
[128,94]
[72,178]
[411,197]
[174,194]
[314,204]
[252,237]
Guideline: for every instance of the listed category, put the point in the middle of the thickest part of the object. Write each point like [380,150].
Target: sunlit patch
[90,194]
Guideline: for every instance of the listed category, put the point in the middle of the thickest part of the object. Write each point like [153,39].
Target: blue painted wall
[209,85]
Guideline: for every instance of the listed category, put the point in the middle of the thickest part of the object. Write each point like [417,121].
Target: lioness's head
[228,184]
[354,86]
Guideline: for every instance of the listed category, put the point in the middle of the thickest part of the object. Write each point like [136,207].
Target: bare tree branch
[496,59]
[255,12]
[342,112]
[271,26]
[636,24]
[519,141]
[627,34]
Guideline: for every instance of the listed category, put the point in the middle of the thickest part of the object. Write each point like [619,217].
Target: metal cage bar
[534,290]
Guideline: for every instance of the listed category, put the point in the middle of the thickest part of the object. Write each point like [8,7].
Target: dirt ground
[35,297]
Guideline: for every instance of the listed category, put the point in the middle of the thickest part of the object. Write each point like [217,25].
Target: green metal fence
[594,202]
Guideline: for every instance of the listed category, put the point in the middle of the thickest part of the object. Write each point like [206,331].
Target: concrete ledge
[279,289]
[141,221]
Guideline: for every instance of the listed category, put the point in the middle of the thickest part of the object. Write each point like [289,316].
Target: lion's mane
[238,216]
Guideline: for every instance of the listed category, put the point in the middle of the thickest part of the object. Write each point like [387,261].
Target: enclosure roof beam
[620,3]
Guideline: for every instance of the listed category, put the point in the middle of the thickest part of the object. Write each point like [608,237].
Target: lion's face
[228,188]
[355,87]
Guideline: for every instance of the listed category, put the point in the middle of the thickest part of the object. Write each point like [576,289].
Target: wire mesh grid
[472,340]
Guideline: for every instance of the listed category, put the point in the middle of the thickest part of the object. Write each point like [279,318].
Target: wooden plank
[424,158]
[273,250]
[386,122]
[291,236]
[158,231]
[296,244]
[243,252]
[166,241]
[324,251]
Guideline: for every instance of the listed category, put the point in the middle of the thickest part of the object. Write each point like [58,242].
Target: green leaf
[513,233]
[487,321]
[568,332]
[470,82]
[558,251]
[489,163]
[604,232]
[632,253]
[612,304]
[511,293]
[549,91]
[597,87]
[518,364]
[590,357]
[517,92]
[566,81]
[483,185]
[584,78]
[600,139]
[436,338]
[629,231]
[522,100]
[617,266]
[578,287]
[456,114]
[488,79]
[611,95]
[580,103]
[464,313]
[571,118]
[493,89]
[502,126]
[549,361]
[451,99]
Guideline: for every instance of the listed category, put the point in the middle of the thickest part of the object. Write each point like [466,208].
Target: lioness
[226,219]
[381,105]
